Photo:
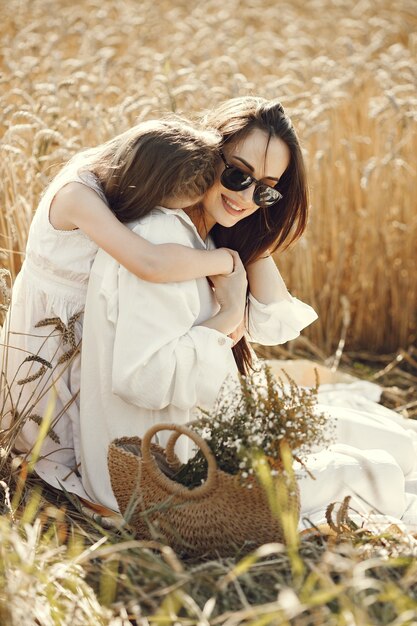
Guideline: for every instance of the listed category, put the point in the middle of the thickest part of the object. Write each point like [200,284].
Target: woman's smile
[232,207]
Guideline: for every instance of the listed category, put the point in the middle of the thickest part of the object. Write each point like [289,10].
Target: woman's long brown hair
[279,225]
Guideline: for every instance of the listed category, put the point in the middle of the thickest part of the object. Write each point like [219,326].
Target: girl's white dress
[51,290]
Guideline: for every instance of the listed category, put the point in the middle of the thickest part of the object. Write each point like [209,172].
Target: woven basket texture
[215,519]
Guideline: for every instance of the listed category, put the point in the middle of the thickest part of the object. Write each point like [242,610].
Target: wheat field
[73,75]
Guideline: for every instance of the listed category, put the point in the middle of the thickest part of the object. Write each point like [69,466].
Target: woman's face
[251,155]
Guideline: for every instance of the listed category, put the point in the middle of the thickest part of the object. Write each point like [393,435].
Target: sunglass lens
[265,195]
[235,180]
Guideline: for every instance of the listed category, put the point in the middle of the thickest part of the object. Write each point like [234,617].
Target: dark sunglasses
[235,179]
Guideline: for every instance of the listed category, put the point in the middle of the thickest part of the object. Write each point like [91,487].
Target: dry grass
[345,70]
[80,572]
[77,572]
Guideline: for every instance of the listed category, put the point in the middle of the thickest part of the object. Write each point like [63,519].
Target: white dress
[372,459]
[51,287]
[146,357]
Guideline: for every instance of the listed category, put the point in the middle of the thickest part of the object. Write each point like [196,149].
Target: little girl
[167,163]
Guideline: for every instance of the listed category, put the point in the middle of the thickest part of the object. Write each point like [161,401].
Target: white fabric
[373,459]
[343,470]
[145,357]
[51,284]
[267,324]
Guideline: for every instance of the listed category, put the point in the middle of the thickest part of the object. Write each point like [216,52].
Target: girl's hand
[236,261]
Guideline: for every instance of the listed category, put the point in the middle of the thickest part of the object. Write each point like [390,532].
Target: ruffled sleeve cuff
[277,322]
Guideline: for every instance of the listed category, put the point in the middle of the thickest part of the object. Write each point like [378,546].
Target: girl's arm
[78,206]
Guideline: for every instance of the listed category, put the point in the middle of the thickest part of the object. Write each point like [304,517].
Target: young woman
[155,352]
[373,459]
[152,353]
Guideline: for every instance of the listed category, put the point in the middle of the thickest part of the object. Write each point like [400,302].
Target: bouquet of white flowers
[254,422]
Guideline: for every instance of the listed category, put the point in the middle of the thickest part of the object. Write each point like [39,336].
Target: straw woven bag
[215,518]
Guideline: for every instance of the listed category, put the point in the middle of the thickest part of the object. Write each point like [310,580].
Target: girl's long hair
[152,161]
[281,224]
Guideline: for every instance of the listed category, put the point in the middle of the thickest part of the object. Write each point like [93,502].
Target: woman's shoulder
[163,225]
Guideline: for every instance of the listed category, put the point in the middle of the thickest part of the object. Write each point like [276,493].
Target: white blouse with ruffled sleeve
[277,322]
[147,359]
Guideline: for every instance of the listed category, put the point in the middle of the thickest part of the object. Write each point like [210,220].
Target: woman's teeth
[233,206]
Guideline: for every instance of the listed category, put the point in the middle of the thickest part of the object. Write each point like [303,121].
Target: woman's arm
[78,206]
[159,357]
[273,315]
[265,281]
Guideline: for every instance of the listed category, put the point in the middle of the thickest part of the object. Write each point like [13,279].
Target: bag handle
[170,455]
[166,483]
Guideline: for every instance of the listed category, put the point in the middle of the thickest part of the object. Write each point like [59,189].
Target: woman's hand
[238,333]
[231,290]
